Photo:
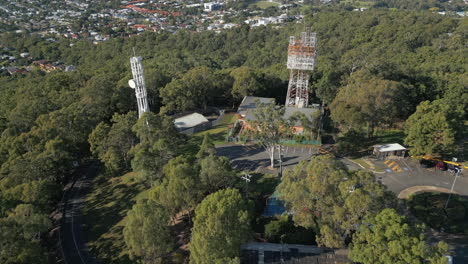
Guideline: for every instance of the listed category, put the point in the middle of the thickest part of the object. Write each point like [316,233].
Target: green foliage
[367,102]
[189,92]
[179,189]
[432,128]
[311,125]
[147,233]
[215,173]
[207,147]
[159,143]
[283,230]
[20,236]
[221,225]
[389,238]
[111,144]
[324,195]
[269,127]
[46,118]
[245,82]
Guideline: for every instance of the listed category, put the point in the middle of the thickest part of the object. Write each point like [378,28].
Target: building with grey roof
[191,123]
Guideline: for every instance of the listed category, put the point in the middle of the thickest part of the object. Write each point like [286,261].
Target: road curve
[419,189]
[72,237]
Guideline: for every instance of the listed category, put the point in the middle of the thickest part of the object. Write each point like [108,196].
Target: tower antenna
[302,51]
[138,83]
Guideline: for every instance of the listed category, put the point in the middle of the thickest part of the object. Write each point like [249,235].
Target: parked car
[424,163]
[440,165]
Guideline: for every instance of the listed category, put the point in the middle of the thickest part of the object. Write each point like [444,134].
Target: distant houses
[49,66]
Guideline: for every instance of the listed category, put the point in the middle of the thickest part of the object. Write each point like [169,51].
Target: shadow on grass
[357,145]
[105,209]
[430,209]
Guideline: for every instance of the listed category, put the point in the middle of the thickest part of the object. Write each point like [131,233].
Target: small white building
[386,151]
[212,6]
[191,123]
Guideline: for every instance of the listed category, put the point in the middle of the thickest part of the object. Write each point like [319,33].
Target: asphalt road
[72,237]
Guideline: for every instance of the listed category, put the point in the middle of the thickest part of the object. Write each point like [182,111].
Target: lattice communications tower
[301,60]
[138,83]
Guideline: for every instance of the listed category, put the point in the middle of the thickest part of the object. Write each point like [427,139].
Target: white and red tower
[301,60]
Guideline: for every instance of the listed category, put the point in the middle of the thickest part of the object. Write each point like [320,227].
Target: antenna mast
[301,60]
[138,83]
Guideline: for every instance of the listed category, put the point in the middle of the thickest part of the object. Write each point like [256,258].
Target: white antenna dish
[132,84]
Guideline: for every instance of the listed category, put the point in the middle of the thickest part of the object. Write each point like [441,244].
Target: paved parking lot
[397,175]
[254,157]
[405,173]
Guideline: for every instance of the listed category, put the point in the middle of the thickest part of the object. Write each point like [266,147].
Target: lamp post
[457,173]
[280,159]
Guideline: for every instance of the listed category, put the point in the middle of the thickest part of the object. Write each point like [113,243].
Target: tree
[367,102]
[245,82]
[310,123]
[432,128]
[215,173]
[159,143]
[207,147]
[221,225]
[20,234]
[112,144]
[189,92]
[180,188]
[268,127]
[324,195]
[389,238]
[146,232]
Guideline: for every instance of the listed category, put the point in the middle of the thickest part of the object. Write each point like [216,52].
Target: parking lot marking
[393,165]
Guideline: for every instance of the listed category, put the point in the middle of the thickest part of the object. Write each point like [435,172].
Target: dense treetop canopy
[50,121]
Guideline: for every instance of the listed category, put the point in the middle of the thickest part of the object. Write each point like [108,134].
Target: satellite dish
[132,84]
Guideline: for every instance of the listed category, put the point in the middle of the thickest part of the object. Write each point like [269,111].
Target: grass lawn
[105,210]
[219,132]
[429,208]
[389,136]
[264,4]
[362,163]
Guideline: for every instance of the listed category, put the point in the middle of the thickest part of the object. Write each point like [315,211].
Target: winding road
[72,237]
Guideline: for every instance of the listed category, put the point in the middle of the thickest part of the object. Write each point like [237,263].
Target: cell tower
[301,60]
[138,83]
